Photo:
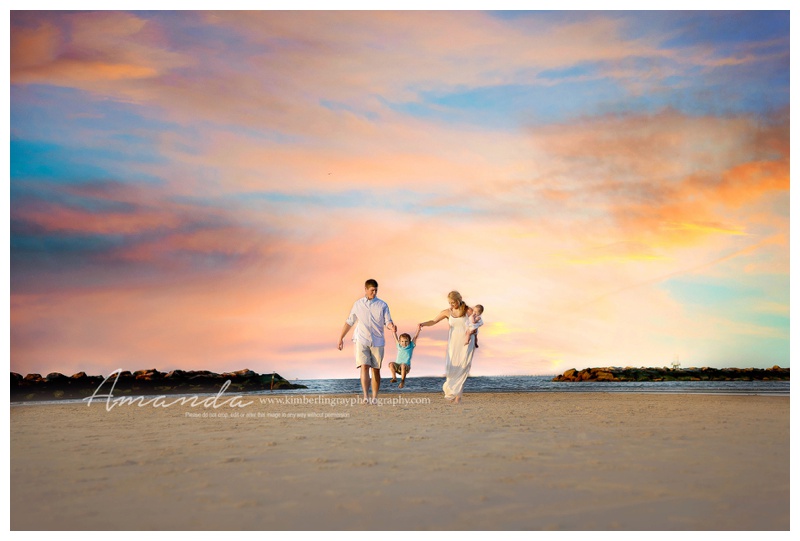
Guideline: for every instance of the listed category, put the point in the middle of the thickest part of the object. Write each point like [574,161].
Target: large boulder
[148,375]
[603,375]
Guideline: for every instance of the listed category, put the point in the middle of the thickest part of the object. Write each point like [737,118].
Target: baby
[474,320]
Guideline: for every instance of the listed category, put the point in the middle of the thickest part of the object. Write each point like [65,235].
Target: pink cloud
[57,218]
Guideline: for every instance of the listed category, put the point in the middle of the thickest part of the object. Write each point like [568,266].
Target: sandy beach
[511,461]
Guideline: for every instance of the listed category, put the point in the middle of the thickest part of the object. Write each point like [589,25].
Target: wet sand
[508,461]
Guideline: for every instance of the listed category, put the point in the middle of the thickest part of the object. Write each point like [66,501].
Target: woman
[459,354]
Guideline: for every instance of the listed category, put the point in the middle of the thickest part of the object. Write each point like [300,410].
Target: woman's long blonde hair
[456,296]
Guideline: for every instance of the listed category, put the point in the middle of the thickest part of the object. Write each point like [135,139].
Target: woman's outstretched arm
[442,315]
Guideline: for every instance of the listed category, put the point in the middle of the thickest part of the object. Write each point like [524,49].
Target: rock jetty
[670,374]
[56,386]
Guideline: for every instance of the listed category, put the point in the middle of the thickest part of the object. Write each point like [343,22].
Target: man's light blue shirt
[372,316]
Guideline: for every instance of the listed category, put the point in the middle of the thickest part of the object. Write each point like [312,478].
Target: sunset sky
[203,190]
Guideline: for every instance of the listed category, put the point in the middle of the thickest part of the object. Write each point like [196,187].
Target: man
[372,315]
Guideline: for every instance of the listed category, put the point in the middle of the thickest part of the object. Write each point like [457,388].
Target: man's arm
[345,330]
[387,318]
[351,320]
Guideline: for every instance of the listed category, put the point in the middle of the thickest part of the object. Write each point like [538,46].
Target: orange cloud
[78,73]
[34,47]
[84,50]
[704,228]
[745,182]
[658,177]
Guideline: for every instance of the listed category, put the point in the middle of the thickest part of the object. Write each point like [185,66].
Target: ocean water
[510,384]
[513,384]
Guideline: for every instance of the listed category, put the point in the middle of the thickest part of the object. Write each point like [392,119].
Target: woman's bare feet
[457,400]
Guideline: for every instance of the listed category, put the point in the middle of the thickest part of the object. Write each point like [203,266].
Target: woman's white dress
[459,357]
